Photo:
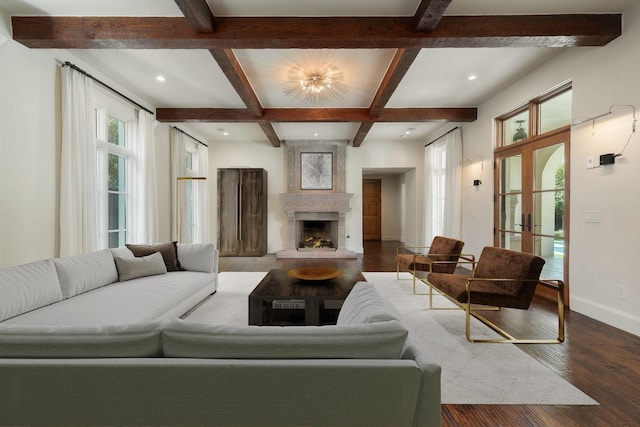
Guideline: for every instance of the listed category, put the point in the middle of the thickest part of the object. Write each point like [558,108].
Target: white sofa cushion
[364,304]
[131,340]
[151,298]
[82,273]
[26,287]
[197,257]
[382,340]
[132,268]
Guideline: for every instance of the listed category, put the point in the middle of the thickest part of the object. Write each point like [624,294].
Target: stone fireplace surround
[315,205]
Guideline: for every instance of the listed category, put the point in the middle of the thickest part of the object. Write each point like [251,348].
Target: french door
[532,200]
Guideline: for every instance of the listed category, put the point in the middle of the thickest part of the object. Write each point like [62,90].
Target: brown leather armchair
[502,278]
[442,256]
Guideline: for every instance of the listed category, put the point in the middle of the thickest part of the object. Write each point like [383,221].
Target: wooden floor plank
[602,361]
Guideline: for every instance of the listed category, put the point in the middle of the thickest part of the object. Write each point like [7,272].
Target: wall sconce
[476,169]
[610,158]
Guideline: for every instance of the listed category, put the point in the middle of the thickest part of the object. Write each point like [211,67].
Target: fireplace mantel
[314,202]
[302,205]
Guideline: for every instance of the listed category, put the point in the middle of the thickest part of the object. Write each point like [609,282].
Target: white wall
[30,137]
[602,255]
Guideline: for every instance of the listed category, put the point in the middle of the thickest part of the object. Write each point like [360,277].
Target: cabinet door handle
[239,213]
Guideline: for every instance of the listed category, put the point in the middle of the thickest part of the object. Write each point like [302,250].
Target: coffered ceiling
[406,63]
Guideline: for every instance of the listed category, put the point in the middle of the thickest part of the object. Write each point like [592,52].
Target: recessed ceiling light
[160,78]
[225,133]
[316,134]
[472,77]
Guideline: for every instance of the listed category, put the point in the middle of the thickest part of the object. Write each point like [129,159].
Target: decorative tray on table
[315,273]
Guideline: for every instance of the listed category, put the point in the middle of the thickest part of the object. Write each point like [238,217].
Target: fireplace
[317,231]
[316,201]
[320,215]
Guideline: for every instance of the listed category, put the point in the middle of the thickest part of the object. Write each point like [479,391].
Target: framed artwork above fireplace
[316,171]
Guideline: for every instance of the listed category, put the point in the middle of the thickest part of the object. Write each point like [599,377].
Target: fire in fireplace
[318,234]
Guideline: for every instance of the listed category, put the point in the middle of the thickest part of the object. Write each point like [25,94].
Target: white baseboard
[616,318]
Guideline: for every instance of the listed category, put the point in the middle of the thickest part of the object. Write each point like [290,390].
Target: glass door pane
[510,203]
[548,208]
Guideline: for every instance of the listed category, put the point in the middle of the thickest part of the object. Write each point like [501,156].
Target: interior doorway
[371,209]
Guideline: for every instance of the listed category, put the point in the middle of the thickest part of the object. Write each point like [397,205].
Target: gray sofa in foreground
[364,371]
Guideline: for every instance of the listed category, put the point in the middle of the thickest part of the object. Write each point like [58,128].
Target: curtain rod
[80,70]
[444,134]
[195,139]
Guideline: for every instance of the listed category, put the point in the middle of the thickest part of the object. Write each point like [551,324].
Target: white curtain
[201,233]
[178,169]
[443,187]
[78,198]
[180,225]
[143,218]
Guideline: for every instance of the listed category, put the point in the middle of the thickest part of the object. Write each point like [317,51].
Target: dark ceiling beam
[198,14]
[362,133]
[231,68]
[202,20]
[101,32]
[326,115]
[399,66]
[270,132]
[429,14]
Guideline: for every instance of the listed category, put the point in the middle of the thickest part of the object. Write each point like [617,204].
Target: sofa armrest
[198,257]
[428,409]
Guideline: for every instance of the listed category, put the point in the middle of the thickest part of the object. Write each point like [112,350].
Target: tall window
[443,186]
[191,166]
[115,130]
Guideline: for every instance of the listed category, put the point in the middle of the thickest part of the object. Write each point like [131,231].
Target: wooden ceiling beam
[429,14]
[270,132]
[399,66]
[74,32]
[231,68]
[198,14]
[318,115]
[202,20]
[362,133]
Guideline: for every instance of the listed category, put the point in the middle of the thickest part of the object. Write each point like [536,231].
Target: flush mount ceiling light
[315,83]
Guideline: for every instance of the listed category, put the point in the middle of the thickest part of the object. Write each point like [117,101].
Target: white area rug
[471,373]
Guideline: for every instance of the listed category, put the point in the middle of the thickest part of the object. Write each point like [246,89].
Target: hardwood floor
[600,360]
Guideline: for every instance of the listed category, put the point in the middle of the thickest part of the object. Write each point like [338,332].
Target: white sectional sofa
[85,289]
[149,370]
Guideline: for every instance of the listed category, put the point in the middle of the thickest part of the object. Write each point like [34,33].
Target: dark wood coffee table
[282,300]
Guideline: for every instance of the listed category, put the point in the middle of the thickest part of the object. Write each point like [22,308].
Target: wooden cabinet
[242,212]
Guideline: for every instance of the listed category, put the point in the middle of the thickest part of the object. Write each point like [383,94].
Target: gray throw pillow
[169,253]
[132,268]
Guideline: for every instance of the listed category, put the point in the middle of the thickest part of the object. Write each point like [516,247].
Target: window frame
[533,108]
[106,106]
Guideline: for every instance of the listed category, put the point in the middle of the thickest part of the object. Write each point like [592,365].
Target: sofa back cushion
[168,250]
[132,268]
[26,287]
[37,342]
[383,340]
[82,273]
[197,257]
[364,304]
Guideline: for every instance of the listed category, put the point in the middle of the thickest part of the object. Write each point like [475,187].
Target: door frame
[526,149]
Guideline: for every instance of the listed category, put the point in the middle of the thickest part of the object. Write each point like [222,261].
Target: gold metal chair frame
[472,310]
[462,259]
